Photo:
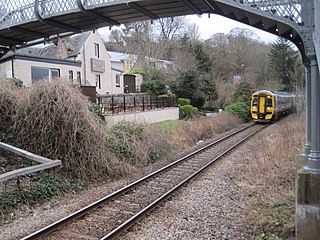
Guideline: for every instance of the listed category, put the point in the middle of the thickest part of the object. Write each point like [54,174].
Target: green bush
[16,81]
[239,109]
[163,96]
[138,145]
[43,189]
[183,101]
[95,108]
[119,139]
[187,112]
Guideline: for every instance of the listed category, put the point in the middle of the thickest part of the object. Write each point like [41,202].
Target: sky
[219,24]
[216,24]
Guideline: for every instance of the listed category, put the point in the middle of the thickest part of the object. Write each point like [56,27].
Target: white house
[82,59]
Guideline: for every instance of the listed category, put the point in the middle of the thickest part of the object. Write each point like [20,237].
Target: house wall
[6,69]
[117,65]
[22,69]
[144,117]
[108,84]
[117,89]
[128,64]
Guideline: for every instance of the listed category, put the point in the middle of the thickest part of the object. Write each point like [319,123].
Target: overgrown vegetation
[53,120]
[56,121]
[240,109]
[154,80]
[269,180]
[32,190]
[186,111]
[137,144]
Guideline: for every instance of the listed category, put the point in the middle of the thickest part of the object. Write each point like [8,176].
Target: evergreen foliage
[282,63]
[240,109]
[153,80]
[187,112]
[196,83]
[243,93]
[183,101]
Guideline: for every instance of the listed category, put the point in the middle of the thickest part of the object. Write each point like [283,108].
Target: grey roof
[120,56]
[75,44]
[117,56]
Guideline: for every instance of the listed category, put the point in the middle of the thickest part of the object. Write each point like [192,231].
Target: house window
[54,73]
[117,80]
[70,75]
[129,64]
[41,73]
[98,81]
[38,73]
[96,50]
[79,77]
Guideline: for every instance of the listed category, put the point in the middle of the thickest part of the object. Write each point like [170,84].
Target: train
[268,106]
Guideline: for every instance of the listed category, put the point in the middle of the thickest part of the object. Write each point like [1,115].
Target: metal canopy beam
[190,5]
[28,31]
[143,10]
[52,22]
[95,15]
[10,41]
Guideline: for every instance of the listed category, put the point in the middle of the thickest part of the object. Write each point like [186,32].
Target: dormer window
[96,50]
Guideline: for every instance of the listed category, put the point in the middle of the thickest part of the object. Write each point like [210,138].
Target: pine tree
[282,63]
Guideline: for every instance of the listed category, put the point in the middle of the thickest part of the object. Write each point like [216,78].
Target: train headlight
[254,108]
[268,108]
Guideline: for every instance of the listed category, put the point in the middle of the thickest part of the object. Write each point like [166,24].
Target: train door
[262,106]
[262,103]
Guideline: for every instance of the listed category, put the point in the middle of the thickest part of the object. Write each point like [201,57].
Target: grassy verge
[269,182]
[31,190]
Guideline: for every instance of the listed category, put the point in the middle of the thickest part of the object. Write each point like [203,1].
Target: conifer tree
[282,63]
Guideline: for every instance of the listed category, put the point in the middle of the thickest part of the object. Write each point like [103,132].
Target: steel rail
[124,226]
[46,230]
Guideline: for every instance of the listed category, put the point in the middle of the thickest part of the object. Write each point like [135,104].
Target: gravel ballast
[211,206]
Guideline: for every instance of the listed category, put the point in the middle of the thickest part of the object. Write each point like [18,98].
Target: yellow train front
[267,106]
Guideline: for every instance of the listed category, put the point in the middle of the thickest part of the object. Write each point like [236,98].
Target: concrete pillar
[314,157]
[307,146]
[308,179]
[308,206]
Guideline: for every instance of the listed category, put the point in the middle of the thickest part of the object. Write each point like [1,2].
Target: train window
[269,102]
[255,101]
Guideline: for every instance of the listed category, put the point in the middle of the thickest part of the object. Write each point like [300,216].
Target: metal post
[314,157]
[124,103]
[307,145]
[112,105]
[142,103]
[150,104]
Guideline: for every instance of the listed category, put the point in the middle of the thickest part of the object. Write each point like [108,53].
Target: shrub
[9,98]
[95,108]
[163,96]
[16,81]
[187,133]
[38,190]
[53,120]
[187,112]
[137,144]
[239,109]
[183,101]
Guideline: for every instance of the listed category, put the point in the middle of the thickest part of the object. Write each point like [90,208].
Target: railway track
[111,215]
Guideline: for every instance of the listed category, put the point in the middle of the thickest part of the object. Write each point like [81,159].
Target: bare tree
[171,28]
[193,31]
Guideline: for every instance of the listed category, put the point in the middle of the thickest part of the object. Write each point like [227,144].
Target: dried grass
[53,120]
[271,174]
[8,105]
[188,133]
